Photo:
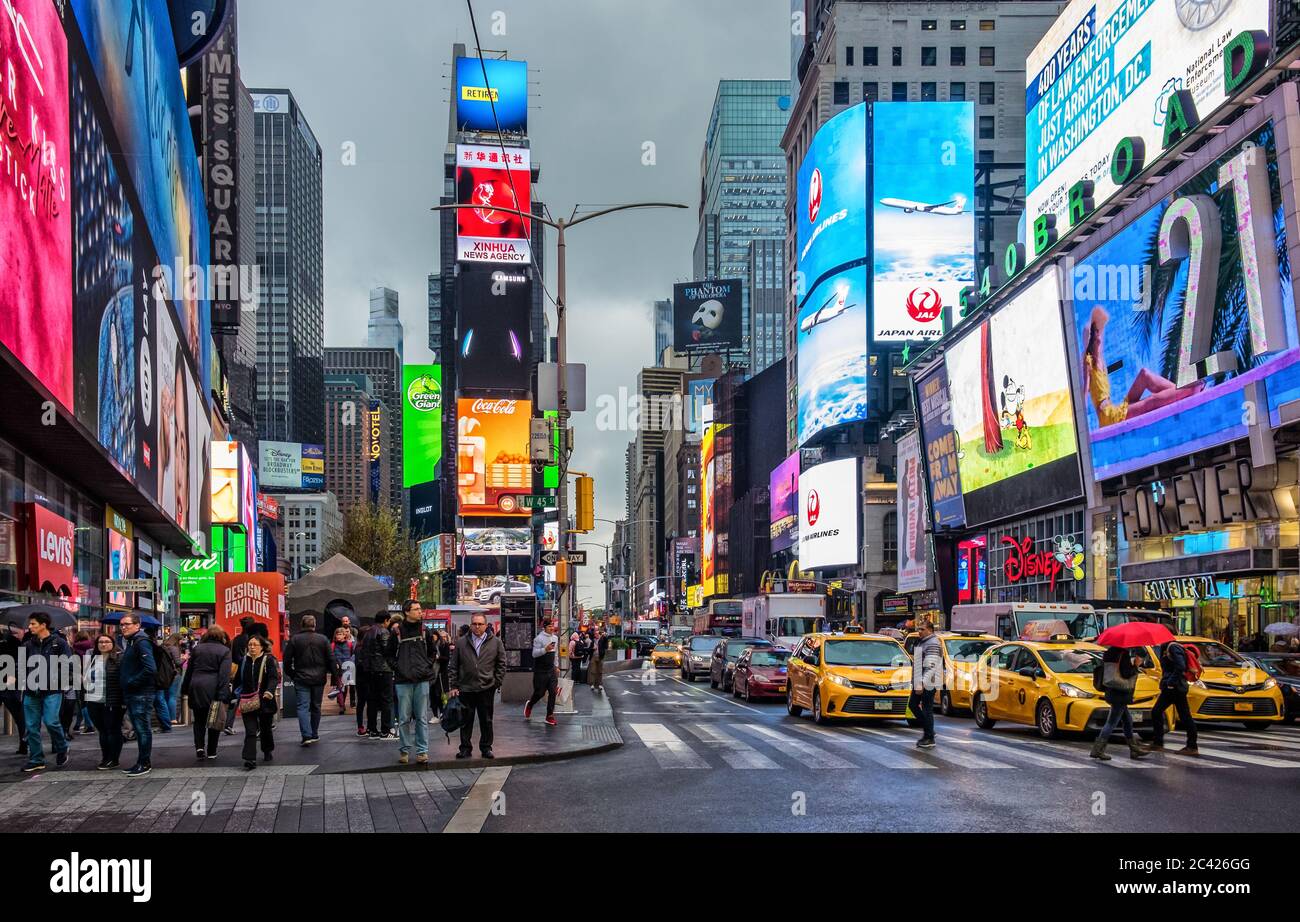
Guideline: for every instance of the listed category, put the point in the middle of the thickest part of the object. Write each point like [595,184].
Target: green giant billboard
[421,423]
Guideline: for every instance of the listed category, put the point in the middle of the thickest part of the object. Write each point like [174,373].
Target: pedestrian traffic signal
[586,508]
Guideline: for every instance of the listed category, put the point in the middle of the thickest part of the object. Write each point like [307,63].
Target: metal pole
[562,542]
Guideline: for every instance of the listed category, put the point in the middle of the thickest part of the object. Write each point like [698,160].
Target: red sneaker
[528,712]
[552,722]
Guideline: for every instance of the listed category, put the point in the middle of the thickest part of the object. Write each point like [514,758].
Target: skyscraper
[663,321]
[385,328]
[291,261]
[357,442]
[383,367]
[742,192]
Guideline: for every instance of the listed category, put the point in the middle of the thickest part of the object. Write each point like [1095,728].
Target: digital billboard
[1012,409]
[707,316]
[1184,309]
[491,542]
[913,570]
[923,235]
[832,341]
[494,329]
[492,467]
[783,484]
[291,466]
[183,430]
[35,203]
[133,55]
[506,90]
[259,596]
[940,442]
[497,184]
[226,505]
[829,510]
[421,423]
[1105,71]
[120,555]
[831,207]
[708,487]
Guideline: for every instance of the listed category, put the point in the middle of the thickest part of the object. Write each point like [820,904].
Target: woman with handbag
[207,686]
[103,695]
[259,677]
[1120,670]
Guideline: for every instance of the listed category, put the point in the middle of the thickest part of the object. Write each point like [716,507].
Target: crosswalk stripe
[809,755]
[1234,756]
[667,749]
[881,755]
[1019,752]
[735,752]
[1251,738]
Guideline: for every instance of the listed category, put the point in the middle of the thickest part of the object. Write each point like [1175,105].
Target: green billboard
[421,423]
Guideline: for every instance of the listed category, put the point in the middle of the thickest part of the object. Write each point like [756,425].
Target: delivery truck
[784,617]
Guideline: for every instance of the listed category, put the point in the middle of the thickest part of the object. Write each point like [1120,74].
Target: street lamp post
[561,300]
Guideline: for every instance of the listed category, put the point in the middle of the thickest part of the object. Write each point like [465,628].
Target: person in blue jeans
[43,696]
[308,661]
[417,667]
[137,672]
[166,701]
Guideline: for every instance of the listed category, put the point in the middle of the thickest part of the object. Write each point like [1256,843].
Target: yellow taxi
[1231,688]
[666,654]
[961,655]
[849,674]
[1048,685]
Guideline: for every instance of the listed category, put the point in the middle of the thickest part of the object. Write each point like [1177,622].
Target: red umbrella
[1135,634]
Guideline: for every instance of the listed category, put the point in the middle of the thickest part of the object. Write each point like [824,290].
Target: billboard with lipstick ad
[497,184]
[493,472]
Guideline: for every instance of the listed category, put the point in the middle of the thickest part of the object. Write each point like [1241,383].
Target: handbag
[218,713]
[251,703]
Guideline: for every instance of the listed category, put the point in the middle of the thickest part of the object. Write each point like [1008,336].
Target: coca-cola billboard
[493,471]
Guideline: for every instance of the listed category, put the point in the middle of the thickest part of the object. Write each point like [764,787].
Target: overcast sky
[605,76]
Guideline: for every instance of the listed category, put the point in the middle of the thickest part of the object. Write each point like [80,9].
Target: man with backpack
[380,656]
[138,673]
[1179,665]
[417,667]
[307,661]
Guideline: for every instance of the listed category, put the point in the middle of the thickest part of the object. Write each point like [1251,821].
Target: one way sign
[576,558]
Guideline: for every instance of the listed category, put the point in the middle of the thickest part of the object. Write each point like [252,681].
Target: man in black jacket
[307,662]
[417,667]
[1173,692]
[48,656]
[380,656]
[137,672]
[9,693]
[478,667]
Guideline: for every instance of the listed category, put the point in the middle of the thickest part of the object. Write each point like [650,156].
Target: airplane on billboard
[955,205]
[831,308]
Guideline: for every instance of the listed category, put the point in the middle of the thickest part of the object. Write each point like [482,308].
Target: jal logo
[55,548]
[924,304]
[493,407]
[814,507]
[814,195]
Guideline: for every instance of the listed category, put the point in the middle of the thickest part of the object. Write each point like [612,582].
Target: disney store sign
[1063,559]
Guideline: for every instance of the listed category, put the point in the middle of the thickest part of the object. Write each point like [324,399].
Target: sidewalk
[341,751]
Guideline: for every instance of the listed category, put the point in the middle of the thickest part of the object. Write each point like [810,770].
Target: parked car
[696,654]
[645,643]
[725,655]
[1285,668]
[491,595]
[760,674]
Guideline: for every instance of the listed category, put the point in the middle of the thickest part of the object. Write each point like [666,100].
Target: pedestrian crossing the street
[683,742]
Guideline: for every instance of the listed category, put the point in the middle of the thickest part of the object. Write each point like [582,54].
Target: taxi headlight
[840,680]
[1073,691]
[1198,684]
[904,684]
[1271,683]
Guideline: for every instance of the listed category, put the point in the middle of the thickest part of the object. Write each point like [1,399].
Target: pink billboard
[35,214]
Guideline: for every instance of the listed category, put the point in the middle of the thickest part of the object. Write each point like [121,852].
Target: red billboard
[51,543]
[497,184]
[35,213]
[259,596]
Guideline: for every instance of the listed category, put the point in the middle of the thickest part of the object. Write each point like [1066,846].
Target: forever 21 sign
[1209,497]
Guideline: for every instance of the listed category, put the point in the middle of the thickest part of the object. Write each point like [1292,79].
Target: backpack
[414,660]
[1099,677]
[1193,671]
[453,717]
[164,667]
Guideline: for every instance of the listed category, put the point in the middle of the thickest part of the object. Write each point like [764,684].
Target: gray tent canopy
[334,586]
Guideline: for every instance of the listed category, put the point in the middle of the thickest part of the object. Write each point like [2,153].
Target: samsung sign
[829,510]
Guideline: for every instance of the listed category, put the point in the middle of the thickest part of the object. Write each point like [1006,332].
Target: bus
[1008,620]
[720,617]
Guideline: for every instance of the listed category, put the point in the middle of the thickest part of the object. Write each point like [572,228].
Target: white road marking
[1234,756]
[474,809]
[874,752]
[668,750]
[809,755]
[736,753]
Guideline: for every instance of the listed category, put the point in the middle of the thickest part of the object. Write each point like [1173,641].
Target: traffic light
[586,508]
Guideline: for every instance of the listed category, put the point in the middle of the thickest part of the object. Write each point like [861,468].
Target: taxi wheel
[818,716]
[793,709]
[945,704]
[981,712]
[1045,720]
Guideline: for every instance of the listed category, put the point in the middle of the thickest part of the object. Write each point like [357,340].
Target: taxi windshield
[966,650]
[1216,654]
[665,648]
[863,653]
[1070,661]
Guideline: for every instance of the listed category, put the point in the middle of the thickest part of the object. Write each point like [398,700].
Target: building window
[929,56]
[897,56]
[929,25]
[870,92]
[986,127]
[986,156]
[900,92]
[986,93]
[889,543]
[929,92]
[869,57]
[987,57]
[957,56]
[987,25]
[848,55]
[957,91]
[841,93]
[957,25]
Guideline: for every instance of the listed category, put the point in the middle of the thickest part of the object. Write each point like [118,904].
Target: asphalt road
[697,760]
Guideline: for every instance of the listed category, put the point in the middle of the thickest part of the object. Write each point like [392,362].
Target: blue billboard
[133,54]
[923,235]
[832,343]
[506,88]
[831,211]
